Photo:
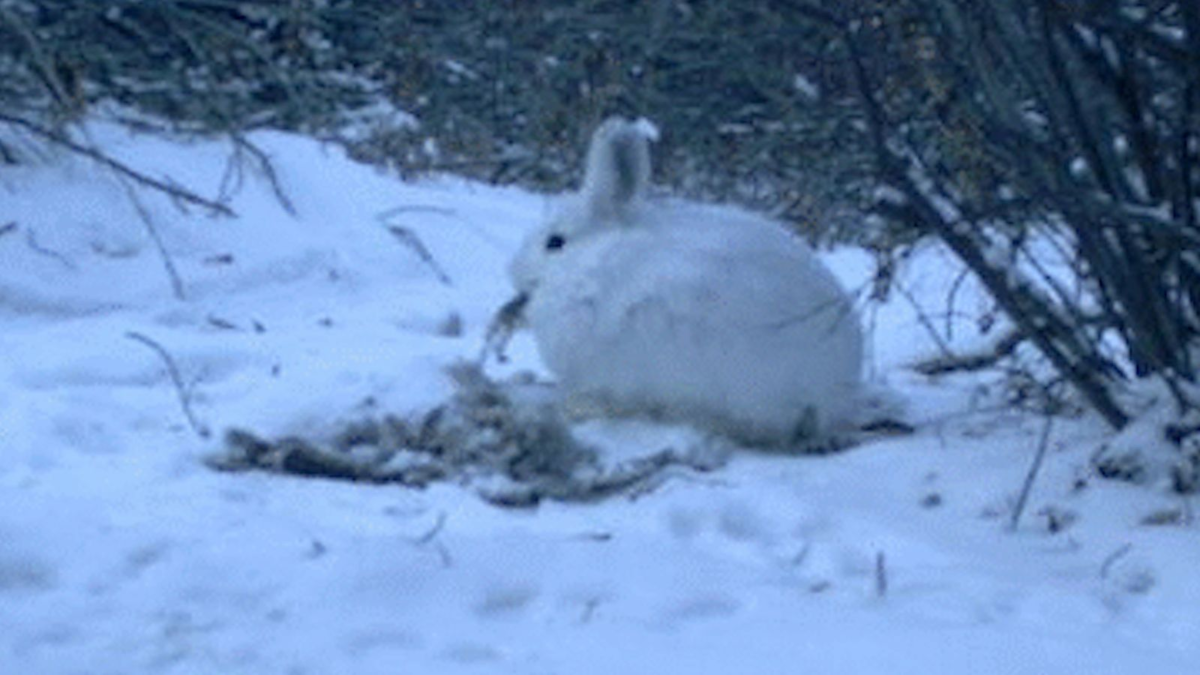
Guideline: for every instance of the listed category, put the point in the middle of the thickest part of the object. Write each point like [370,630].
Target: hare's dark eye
[555,242]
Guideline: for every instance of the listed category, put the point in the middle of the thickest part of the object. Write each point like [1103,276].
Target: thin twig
[148,221]
[1112,558]
[268,170]
[40,60]
[180,193]
[8,228]
[233,177]
[951,296]
[155,238]
[429,538]
[36,247]
[1027,487]
[844,306]
[972,361]
[924,319]
[433,531]
[412,241]
[185,399]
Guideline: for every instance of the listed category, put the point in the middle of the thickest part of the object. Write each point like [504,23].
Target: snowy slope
[121,552]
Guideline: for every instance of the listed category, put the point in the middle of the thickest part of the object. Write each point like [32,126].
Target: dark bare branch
[174,191]
[242,144]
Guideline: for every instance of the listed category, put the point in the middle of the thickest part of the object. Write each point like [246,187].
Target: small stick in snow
[589,609]
[8,228]
[925,320]
[414,242]
[156,238]
[415,208]
[219,323]
[185,400]
[1043,443]
[881,577]
[972,361]
[1107,565]
[430,538]
[411,240]
[802,555]
[32,242]
[433,531]
[243,145]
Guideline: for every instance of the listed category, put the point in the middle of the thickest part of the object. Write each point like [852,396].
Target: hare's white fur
[702,313]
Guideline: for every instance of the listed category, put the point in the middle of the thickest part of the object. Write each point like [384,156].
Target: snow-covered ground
[122,552]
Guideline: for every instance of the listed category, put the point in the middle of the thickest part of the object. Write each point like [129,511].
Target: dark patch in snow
[25,574]
[507,439]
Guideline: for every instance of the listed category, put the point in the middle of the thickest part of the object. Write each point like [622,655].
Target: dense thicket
[1009,125]
[503,91]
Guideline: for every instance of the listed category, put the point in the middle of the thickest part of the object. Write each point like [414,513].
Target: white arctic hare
[700,313]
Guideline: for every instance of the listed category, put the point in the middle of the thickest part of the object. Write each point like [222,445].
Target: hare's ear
[618,165]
